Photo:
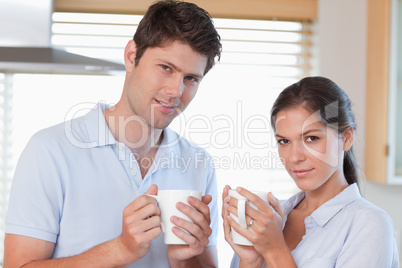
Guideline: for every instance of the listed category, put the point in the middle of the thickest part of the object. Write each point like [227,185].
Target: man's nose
[175,87]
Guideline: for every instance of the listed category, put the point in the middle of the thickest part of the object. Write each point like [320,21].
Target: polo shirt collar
[100,135]
[169,149]
[329,209]
[98,131]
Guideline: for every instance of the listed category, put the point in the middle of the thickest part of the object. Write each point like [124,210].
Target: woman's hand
[248,255]
[266,231]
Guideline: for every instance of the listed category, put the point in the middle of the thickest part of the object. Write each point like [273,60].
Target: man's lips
[301,172]
[167,105]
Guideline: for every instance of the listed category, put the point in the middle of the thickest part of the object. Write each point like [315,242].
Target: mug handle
[157,203]
[154,197]
[241,212]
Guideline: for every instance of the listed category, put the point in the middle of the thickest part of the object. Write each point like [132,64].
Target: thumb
[206,199]
[153,190]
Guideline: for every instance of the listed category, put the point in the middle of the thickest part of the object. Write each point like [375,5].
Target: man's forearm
[105,255]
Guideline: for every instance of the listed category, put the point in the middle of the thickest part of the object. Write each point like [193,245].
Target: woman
[328,223]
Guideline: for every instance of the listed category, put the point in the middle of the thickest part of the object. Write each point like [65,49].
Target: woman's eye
[283,142]
[311,139]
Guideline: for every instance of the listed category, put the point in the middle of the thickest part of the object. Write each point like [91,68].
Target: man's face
[163,83]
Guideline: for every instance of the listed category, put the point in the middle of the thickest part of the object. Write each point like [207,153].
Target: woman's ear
[347,138]
[129,55]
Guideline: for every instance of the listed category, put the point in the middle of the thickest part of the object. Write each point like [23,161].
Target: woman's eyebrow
[303,134]
[311,130]
[279,136]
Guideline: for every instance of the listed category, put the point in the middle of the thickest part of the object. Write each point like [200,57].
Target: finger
[153,233]
[275,204]
[192,229]
[226,225]
[225,205]
[147,224]
[201,206]
[231,201]
[256,200]
[199,219]
[153,189]
[132,217]
[238,228]
[206,199]
[142,237]
[250,213]
[189,239]
[139,203]
[148,235]
[225,192]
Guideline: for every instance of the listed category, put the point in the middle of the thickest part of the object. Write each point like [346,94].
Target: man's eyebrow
[180,70]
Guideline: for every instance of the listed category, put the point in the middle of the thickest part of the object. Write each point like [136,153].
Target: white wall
[342,31]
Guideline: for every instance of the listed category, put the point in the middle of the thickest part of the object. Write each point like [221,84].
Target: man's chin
[161,124]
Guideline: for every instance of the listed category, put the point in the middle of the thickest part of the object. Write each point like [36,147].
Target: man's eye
[191,78]
[165,67]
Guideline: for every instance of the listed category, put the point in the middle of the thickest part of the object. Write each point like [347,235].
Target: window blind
[284,46]
[5,149]
[230,114]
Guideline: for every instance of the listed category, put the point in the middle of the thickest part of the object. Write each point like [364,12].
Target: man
[77,196]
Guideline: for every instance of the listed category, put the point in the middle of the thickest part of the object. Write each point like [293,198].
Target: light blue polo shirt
[346,232]
[73,181]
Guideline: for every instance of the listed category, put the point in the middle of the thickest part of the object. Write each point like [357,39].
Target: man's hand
[140,226]
[141,221]
[199,231]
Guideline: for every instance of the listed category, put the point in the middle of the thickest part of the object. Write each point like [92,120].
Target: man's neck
[141,138]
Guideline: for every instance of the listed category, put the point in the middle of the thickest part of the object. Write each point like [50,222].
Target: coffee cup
[166,201]
[241,212]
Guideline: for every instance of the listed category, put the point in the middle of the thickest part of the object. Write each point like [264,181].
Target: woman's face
[311,152]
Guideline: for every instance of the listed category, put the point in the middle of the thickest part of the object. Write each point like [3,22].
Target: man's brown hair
[171,20]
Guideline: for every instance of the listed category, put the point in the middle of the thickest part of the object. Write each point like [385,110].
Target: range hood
[25,32]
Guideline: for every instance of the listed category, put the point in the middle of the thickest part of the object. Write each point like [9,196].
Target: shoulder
[364,207]
[53,144]
[365,213]
[61,134]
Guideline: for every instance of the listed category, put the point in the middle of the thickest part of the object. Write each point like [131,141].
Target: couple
[85,206]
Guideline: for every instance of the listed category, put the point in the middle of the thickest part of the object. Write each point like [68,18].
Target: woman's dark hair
[171,20]
[321,95]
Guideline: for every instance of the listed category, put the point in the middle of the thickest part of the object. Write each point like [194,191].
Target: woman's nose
[297,152]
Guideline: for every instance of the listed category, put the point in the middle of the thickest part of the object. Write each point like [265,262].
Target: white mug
[241,212]
[167,200]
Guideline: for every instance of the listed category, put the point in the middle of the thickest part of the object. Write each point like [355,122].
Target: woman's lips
[302,172]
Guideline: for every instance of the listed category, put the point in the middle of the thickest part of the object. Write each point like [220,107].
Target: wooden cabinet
[383,145]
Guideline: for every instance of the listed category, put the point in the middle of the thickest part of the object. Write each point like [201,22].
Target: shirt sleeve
[212,189]
[36,195]
[235,261]
[370,242]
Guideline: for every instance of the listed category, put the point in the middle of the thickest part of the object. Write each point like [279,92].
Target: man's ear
[347,138]
[129,55]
